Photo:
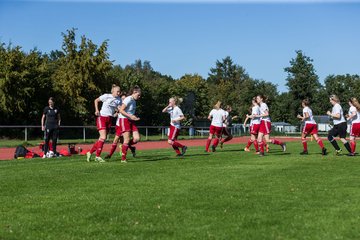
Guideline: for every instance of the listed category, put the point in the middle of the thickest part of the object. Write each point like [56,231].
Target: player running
[309,128]
[354,117]
[254,125]
[227,125]
[217,117]
[176,116]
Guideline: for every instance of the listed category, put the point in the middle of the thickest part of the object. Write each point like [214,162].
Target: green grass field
[229,194]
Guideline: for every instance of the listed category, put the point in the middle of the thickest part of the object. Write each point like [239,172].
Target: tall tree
[302,81]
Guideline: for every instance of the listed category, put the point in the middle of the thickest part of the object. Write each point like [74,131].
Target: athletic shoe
[123,161]
[44,156]
[338,152]
[267,148]
[213,148]
[351,154]
[207,151]
[88,156]
[283,146]
[183,150]
[221,145]
[323,151]
[261,154]
[246,149]
[179,155]
[304,153]
[107,156]
[257,152]
[133,150]
[99,159]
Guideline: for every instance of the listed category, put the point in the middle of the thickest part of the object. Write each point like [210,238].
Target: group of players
[123,108]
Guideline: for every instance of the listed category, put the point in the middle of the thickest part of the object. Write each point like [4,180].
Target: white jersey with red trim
[310,119]
[175,113]
[255,110]
[110,104]
[217,116]
[356,118]
[264,108]
[130,108]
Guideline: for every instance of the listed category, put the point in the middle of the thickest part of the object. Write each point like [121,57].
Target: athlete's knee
[330,137]
[170,142]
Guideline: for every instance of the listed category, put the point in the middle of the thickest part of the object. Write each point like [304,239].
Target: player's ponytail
[306,102]
[355,103]
[177,100]
[217,105]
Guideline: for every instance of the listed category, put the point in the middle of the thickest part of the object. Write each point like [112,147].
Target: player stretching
[176,116]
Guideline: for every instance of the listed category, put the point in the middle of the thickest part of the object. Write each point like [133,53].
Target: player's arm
[124,113]
[265,114]
[96,104]
[166,108]
[59,119]
[180,118]
[43,122]
[333,116]
[351,116]
[246,119]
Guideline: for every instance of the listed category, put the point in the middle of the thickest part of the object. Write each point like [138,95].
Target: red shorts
[126,125]
[174,133]
[265,127]
[103,123]
[310,128]
[118,131]
[355,130]
[215,130]
[254,129]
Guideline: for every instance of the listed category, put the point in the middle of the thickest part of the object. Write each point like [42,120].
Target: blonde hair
[113,87]
[355,102]
[177,100]
[335,98]
[217,105]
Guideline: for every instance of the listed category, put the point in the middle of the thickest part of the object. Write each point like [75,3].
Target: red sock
[94,147]
[100,145]
[176,149]
[304,143]
[208,144]
[320,142]
[177,144]
[216,142]
[249,143]
[124,151]
[112,150]
[277,142]
[256,145]
[353,146]
[261,144]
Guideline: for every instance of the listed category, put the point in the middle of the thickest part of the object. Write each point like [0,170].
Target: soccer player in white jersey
[354,117]
[127,122]
[340,125]
[110,102]
[265,126]
[217,117]
[310,127]
[254,125]
[176,116]
[118,138]
[226,126]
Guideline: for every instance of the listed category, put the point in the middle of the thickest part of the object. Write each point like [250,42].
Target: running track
[8,153]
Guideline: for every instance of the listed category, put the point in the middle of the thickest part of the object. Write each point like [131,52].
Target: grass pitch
[229,194]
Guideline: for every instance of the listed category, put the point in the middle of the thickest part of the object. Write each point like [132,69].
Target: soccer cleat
[304,153]
[351,154]
[133,150]
[213,148]
[88,156]
[44,156]
[107,156]
[283,146]
[338,152]
[99,159]
[221,145]
[267,148]
[207,150]
[179,155]
[123,161]
[246,149]
[183,150]
[257,152]
[323,151]
[261,154]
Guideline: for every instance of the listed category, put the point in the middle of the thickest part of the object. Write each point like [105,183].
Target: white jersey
[310,119]
[130,106]
[255,110]
[226,116]
[264,108]
[110,104]
[356,118]
[337,109]
[175,113]
[217,117]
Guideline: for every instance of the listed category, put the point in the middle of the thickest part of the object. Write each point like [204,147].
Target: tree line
[81,72]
